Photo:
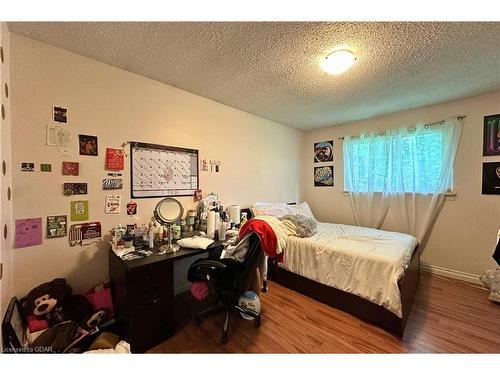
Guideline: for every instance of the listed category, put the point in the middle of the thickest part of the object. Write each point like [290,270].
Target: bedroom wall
[259,158]
[464,233]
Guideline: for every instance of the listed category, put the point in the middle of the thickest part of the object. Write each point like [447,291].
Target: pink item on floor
[199,289]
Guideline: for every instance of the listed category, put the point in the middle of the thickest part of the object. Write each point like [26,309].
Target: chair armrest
[205,269]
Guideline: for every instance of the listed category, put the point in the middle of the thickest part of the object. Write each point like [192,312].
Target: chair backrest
[252,260]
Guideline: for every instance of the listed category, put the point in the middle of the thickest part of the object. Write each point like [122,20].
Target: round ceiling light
[338,61]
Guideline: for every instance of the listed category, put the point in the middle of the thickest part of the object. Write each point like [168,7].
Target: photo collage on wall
[491,147]
[323,153]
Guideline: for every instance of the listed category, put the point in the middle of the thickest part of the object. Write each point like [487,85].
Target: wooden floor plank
[448,316]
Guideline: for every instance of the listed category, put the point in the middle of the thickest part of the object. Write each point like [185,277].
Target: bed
[370,273]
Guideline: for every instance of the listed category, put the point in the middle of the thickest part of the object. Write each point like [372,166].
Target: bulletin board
[162,171]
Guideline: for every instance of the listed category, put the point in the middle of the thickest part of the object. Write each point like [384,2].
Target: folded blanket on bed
[279,229]
[300,225]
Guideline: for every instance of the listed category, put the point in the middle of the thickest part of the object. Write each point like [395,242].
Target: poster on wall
[79,210]
[323,151]
[491,135]
[491,178]
[28,232]
[323,176]
[113,203]
[57,226]
[88,145]
[114,159]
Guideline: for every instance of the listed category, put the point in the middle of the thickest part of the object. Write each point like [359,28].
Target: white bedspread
[363,261]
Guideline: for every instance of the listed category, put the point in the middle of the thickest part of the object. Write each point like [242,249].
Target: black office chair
[228,279]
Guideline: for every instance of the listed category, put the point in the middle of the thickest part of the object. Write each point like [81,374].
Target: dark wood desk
[143,296]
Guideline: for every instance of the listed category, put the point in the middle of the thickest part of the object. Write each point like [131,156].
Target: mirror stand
[169,247]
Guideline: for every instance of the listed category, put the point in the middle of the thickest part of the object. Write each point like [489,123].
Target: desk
[143,296]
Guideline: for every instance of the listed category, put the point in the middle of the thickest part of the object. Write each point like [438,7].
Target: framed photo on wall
[491,135]
[323,176]
[323,151]
[491,178]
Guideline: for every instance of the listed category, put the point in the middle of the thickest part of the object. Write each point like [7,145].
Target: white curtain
[404,171]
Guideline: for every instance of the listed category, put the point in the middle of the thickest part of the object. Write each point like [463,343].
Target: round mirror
[168,211]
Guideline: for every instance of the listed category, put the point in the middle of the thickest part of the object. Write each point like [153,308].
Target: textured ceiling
[272,69]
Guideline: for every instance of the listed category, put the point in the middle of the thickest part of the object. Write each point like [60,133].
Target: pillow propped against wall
[282,209]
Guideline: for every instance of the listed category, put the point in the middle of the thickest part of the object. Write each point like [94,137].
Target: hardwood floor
[448,316]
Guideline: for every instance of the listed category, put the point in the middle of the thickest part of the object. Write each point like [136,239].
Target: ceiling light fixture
[338,61]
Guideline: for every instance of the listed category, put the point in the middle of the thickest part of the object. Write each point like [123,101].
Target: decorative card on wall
[28,232]
[491,135]
[74,188]
[84,233]
[323,151]
[79,210]
[491,178]
[112,204]
[323,176]
[88,144]
[58,135]
[27,167]
[70,168]
[131,208]
[45,167]
[57,226]
[114,159]
[112,184]
[60,114]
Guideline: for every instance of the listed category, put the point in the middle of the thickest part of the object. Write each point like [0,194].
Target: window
[398,161]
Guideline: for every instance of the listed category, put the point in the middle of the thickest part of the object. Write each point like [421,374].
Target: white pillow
[281,209]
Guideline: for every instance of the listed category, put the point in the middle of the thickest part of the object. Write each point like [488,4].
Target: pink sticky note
[28,232]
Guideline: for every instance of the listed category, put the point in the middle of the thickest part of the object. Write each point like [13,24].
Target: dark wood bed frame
[351,303]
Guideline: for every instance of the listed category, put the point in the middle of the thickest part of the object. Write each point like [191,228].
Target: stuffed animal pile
[56,315]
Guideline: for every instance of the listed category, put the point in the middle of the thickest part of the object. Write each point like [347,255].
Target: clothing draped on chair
[397,172]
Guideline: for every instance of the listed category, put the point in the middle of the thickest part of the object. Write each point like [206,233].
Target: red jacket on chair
[268,239]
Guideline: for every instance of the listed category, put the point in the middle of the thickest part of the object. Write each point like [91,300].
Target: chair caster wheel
[223,339]
[257,322]
[197,321]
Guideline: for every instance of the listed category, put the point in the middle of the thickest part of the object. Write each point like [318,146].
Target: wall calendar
[162,171]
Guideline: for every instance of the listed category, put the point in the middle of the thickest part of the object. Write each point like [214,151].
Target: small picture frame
[60,114]
[491,135]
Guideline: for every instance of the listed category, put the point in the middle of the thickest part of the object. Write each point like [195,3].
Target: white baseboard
[452,274]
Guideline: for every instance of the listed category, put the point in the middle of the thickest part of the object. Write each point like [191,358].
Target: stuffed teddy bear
[53,302]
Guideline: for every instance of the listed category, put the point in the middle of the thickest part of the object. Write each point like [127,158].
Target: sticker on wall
[491,135]
[79,210]
[323,176]
[27,167]
[204,165]
[198,195]
[70,168]
[60,114]
[112,184]
[57,226]
[114,159]
[88,144]
[112,204]
[491,178]
[131,208]
[323,151]
[74,188]
[84,233]
[28,232]
[45,167]
[58,135]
